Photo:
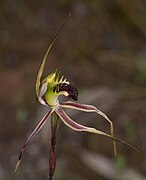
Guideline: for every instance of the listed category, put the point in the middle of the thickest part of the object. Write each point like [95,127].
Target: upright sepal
[41,69]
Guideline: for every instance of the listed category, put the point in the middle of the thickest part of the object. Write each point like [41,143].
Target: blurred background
[102,51]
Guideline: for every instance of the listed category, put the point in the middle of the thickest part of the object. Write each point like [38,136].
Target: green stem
[52,156]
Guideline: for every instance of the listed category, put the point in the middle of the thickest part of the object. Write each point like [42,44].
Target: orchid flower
[48,91]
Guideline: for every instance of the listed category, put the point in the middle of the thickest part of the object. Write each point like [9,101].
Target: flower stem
[52,156]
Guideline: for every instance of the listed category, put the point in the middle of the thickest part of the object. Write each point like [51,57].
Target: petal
[75,126]
[32,135]
[43,89]
[78,127]
[41,69]
[42,92]
[90,108]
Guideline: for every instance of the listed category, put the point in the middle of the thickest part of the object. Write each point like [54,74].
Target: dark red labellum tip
[70,89]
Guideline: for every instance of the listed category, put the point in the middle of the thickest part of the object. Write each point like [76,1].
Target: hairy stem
[52,156]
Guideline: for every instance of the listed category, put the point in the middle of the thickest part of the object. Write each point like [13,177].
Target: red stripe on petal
[80,106]
[39,126]
[33,134]
[69,122]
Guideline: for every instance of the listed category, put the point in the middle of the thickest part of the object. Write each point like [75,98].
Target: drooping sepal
[32,135]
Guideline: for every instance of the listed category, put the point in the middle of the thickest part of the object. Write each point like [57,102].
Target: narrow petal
[32,135]
[75,126]
[78,127]
[90,108]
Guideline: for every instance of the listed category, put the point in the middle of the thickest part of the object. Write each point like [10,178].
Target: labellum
[69,88]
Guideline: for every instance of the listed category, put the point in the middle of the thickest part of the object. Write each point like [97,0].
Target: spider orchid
[47,92]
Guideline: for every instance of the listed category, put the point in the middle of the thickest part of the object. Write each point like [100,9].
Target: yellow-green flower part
[52,87]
